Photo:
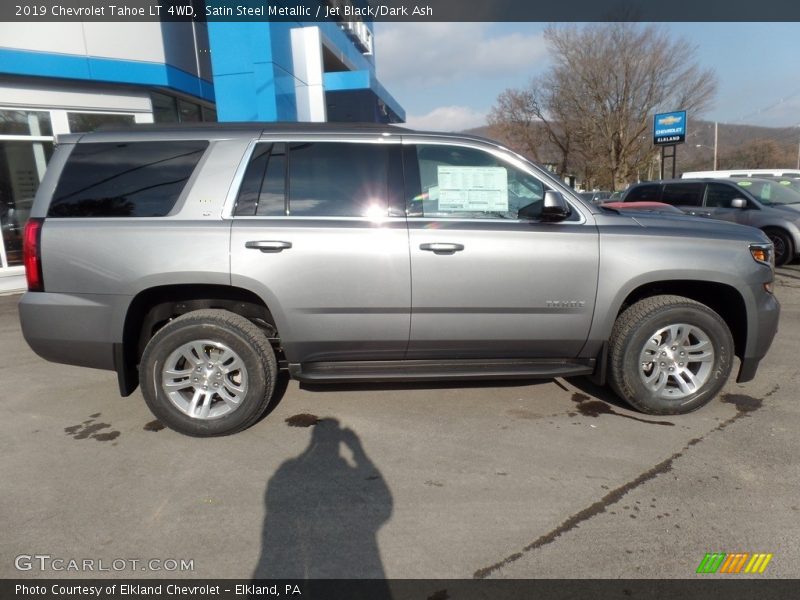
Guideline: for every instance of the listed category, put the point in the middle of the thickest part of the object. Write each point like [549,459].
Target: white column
[309,75]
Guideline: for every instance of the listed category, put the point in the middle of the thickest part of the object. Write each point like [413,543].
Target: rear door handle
[442,248]
[268,245]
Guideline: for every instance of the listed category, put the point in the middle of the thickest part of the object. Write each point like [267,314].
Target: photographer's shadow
[323,513]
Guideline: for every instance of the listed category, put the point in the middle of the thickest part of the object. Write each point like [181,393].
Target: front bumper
[761,331]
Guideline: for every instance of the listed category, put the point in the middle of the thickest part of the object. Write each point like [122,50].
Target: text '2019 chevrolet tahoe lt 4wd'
[198,262]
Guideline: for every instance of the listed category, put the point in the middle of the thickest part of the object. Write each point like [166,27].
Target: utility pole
[716,131]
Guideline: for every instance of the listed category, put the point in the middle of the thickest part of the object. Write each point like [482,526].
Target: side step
[432,370]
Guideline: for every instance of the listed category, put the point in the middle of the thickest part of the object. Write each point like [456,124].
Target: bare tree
[513,119]
[759,154]
[597,100]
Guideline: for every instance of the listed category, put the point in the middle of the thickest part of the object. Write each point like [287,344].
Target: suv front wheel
[669,355]
[784,248]
[209,372]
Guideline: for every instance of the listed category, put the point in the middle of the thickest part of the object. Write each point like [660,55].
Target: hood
[792,211]
[683,225]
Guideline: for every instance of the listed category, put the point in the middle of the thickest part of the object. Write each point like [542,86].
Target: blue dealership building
[69,77]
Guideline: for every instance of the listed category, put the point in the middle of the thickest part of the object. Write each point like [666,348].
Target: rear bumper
[761,331]
[74,329]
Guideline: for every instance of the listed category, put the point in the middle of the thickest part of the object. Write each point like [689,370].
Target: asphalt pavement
[544,479]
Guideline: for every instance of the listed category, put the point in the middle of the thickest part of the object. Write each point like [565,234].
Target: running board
[432,370]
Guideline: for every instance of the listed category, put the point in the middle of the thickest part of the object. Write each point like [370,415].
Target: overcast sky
[448,75]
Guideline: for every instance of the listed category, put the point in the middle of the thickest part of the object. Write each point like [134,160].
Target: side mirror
[554,207]
[738,203]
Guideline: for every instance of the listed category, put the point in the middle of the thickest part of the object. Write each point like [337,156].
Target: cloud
[448,118]
[438,53]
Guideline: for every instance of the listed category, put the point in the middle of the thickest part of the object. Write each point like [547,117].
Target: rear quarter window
[130,179]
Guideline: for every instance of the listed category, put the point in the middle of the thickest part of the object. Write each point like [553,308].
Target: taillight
[32,254]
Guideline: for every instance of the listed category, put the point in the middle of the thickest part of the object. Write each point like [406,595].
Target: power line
[767,108]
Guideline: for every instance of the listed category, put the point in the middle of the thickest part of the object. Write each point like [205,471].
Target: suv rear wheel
[669,355]
[209,372]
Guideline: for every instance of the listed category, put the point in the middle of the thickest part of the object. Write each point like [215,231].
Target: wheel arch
[722,298]
[153,307]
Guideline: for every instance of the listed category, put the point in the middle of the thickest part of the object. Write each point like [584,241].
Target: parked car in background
[763,203]
[595,197]
[792,183]
[742,173]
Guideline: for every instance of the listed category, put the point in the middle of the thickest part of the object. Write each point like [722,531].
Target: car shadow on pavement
[603,393]
[323,512]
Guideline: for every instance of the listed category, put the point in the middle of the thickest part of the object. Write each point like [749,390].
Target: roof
[154,131]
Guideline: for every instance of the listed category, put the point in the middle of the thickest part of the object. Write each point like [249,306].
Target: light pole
[716,131]
[710,148]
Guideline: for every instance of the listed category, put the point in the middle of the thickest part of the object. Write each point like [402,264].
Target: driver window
[465,183]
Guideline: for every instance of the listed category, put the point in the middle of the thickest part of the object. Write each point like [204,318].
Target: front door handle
[268,245]
[442,248]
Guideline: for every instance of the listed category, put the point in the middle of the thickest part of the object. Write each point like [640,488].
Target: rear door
[316,233]
[486,282]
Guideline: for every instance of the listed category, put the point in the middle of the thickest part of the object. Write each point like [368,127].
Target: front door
[487,281]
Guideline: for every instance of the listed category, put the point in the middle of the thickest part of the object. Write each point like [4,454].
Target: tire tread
[252,334]
[625,326]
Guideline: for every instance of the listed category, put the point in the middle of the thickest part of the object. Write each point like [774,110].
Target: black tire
[784,247]
[236,333]
[637,326]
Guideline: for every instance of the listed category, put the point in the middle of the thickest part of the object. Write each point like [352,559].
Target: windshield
[770,192]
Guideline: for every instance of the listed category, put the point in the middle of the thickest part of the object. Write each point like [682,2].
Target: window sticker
[472,189]
[745,183]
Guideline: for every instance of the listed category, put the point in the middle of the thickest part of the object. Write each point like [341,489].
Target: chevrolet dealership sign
[669,128]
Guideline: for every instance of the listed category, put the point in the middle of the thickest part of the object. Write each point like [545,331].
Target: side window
[263,190]
[644,193]
[719,195]
[683,194]
[338,179]
[130,179]
[458,182]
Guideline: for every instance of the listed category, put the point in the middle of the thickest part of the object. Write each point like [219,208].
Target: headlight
[763,253]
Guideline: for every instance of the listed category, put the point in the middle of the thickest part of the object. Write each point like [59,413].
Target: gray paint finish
[348,289]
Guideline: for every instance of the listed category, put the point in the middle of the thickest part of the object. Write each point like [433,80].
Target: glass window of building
[25,122]
[165,108]
[189,112]
[85,122]
[26,144]
[209,115]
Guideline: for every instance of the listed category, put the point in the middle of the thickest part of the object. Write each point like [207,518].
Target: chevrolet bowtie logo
[671,120]
[739,562]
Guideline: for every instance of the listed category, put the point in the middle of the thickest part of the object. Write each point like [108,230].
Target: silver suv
[200,262]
